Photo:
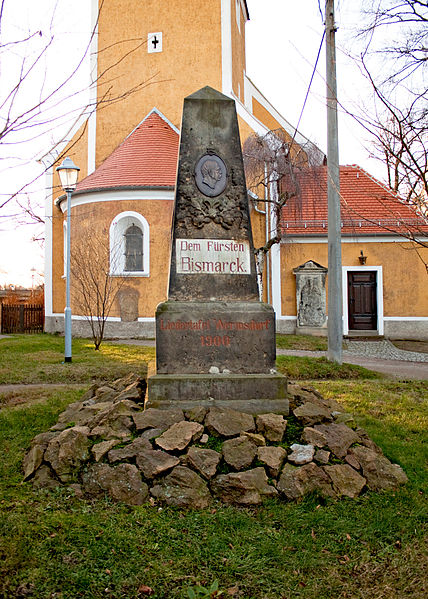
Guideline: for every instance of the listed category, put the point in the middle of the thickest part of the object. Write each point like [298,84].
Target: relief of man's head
[211,173]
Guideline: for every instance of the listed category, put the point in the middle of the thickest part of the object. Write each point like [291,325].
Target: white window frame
[379,295]
[118,228]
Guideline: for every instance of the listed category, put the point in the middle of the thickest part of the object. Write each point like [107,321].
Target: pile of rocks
[106,443]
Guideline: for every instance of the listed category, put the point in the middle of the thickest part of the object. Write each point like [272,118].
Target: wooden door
[362,305]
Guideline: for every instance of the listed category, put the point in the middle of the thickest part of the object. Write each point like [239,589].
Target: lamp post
[68,173]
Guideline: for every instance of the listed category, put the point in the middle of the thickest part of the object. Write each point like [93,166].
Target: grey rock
[228,423]
[313,437]
[301,454]
[151,433]
[117,429]
[271,426]
[67,451]
[294,482]
[100,449]
[378,470]
[243,488]
[43,439]
[179,435]
[183,488]
[256,438]
[239,452]
[367,442]
[352,461]
[322,456]
[346,481]
[196,414]
[153,418]
[90,393]
[44,478]
[126,381]
[343,417]
[133,392]
[153,462]
[339,437]
[204,439]
[105,394]
[122,483]
[129,451]
[205,461]
[32,460]
[273,458]
[109,415]
[311,413]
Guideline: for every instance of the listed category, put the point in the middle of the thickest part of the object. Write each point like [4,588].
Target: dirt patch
[410,345]
[18,395]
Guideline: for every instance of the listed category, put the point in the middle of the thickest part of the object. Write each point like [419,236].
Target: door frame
[379,295]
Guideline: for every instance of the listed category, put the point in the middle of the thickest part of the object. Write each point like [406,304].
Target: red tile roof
[367,206]
[146,158]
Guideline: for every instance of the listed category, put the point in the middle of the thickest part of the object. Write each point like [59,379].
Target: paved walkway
[380,356]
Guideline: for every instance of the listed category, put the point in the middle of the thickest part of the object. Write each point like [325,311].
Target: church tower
[147,56]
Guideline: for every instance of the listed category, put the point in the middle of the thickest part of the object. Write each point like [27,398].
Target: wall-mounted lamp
[362,258]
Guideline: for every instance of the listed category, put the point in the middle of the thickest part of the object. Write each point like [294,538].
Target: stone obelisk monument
[215,341]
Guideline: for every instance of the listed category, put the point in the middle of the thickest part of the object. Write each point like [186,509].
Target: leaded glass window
[133,249]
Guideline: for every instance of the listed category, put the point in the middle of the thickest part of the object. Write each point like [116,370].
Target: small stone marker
[215,341]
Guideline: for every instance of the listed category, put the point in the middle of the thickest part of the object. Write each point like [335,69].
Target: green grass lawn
[56,546]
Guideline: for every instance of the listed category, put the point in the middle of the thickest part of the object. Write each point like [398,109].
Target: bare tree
[93,289]
[272,164]
[39,110]
[394,60]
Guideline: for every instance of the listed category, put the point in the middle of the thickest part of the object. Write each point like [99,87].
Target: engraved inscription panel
[212,256]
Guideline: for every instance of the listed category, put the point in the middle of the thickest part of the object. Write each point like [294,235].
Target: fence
[22,319]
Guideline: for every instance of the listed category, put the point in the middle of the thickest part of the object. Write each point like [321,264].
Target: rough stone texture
[180,435]
[183,488]
[129,451]
[311,295]
[301,454]
[257,439]
[105,394]
[339,437]
[378,470]
[32,460]
[44,478]
[134,392]
[352,461]
[311,413]
[126,381]
[66,452]
[228,423]
[271,426]
[294,482]
[314,437]
[153,462]
[272,458]
[160,419]
[322,456]
[346,481]
[239,452]
[243,488]
[196,414]
[205,461]
[100,449]
[122,483]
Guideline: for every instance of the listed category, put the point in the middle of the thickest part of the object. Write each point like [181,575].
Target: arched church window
[129,245]
[133,248]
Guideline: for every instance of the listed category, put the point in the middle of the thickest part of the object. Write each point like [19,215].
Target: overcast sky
[283,39]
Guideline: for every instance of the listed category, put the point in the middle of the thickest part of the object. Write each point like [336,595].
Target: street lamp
[68,173]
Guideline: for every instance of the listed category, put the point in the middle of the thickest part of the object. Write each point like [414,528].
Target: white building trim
[226,47]
[406,318]
[115,195]
[379,295]
[117,244]
[362,239]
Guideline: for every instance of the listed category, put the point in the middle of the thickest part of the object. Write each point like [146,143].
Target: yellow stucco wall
[98,216]
[190,59]
[238,51]
[404,274]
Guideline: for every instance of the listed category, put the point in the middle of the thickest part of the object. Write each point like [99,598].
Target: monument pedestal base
[250,393]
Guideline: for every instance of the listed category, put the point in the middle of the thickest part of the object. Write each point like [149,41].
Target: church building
[147,56]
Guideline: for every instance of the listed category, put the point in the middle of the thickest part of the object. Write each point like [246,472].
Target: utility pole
[335,324]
